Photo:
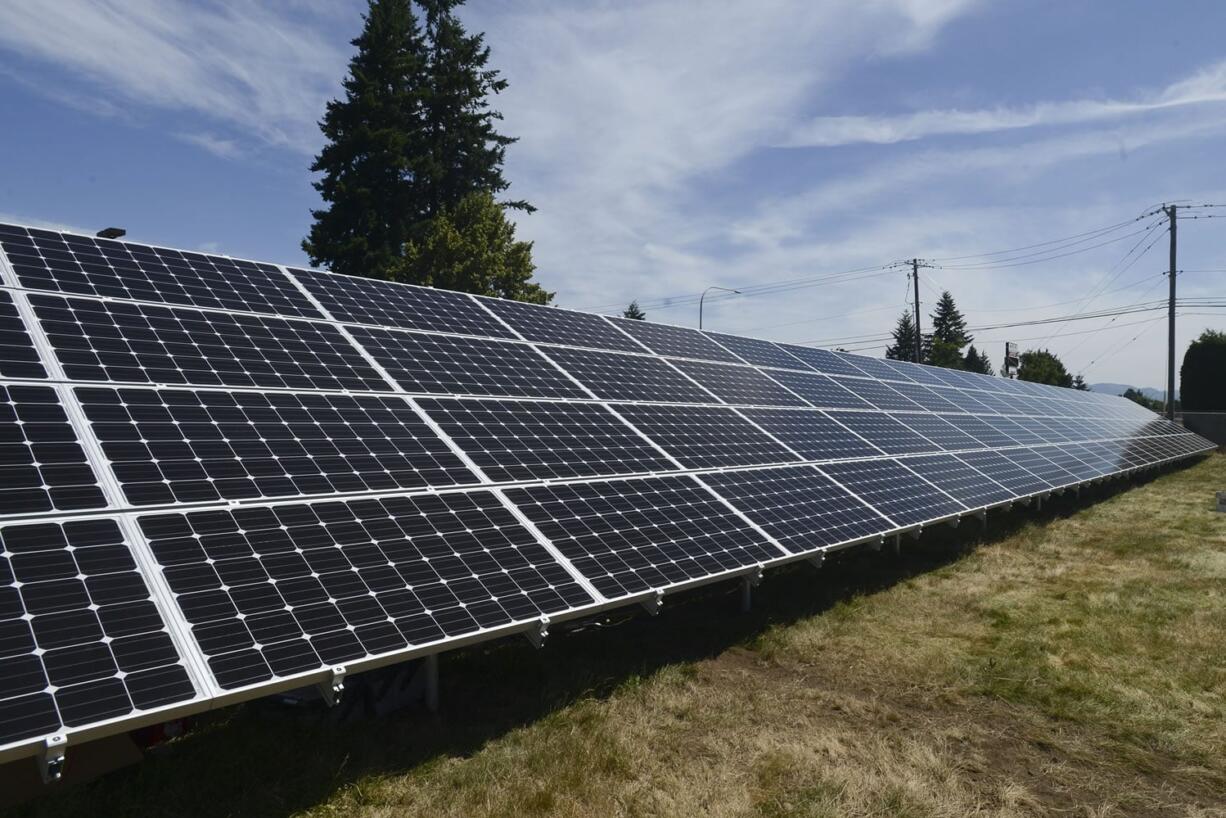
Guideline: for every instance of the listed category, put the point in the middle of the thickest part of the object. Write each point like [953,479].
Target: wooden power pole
[919,359]
[1170,330]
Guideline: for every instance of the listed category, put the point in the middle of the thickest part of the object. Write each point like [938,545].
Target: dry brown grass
[1071,666]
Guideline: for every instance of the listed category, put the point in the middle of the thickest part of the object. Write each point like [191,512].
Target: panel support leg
[51,760]
[896,545]
[747,585]
[431,680]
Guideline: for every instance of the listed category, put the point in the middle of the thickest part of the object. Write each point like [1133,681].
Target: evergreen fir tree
[977,361]
[1079,382]
[903,348]
[634,311]
[375,140]
[948,325]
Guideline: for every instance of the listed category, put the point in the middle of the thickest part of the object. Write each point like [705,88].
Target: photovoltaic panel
[741,385]
[996,402]
[42,465]
[823,360]
[613,376]
[930,399]
[82,265]
[542,440]
[137,343]
[275,591]
[798,506]
[1012,429]
[811,434]
[629,536]
[80,639]
[353,300]
[879,395]
[894,490]
[442,365]
[820,390]
[877,368]
[758,352]
[701,437]
[884,432]
[987,435]
[179,446]
[1038,431]
[18,357]
[1094,457]
[945,435]
[553,325]
[927,375]
[964,400]
[1062,457]
[967,485]
[1033,461]
[676,342]
[1004,471]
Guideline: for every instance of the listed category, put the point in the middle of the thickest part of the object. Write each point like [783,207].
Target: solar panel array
[222,478]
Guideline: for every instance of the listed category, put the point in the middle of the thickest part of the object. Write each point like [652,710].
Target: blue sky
[674,145]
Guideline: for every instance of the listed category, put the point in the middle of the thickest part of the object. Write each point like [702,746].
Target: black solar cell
[527,440]
[630,536]
[170,446]
[135,343]
[823,360]
[80,639]
[676,342]
[18,357]
[879,395]
[553,325]
[706,437]
[741,385]
[758,352]
[820,390]
[1006,472]
[612,376]
[894,490]
[272,592]
[969,486]
[885,432]
[42,466]
[938,431]
[798,506]
[811,434]
[45,260]
[443,364]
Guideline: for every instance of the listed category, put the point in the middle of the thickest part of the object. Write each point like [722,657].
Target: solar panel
[179,446]
[885,432]
[965,484]
[930,399]
[539,440]
[18,357]
[42,465]
[1005,471]
[614,376]
[276,591]
[553,325]
[1033,461]
[988,436]
[754,351]
[706,437]
[742,385]
[135,343]
[442,365]
[631,536]
[675,342]
[383,303]
[820,390]
[81,265]
[823,360]
[943,434]
[879,395]
[81,640]
[876,368]
[811,434]
[798,506]
[894,490]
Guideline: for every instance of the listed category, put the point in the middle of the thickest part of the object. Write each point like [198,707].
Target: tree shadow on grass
[249,761]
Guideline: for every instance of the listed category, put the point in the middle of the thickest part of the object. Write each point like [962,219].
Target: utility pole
[918,336]
[1170,330]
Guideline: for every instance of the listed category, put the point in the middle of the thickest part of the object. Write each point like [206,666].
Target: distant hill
[1120,388]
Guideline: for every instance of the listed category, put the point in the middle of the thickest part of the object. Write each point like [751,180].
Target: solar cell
[978,428]
[930,399]
[820,390]
[742,385]
[442,365]
[553,325]
[884,432]
[276,591]
[811,434]
[823,360]
[676,342]
[42,466]
[967,485]
[919,373]
[758,352]
[1014,430]
[1005,471]
[965,401]
[702,437]
[539,440]
[81,640]
[630,536]
[800,507]
[137,343]
[83,265]
[944,434]
[353,300]
[878,368]
[894,490]
[18,357]
[1034,462]
[879,395]
[1062,457]
[169,446]
[613,376]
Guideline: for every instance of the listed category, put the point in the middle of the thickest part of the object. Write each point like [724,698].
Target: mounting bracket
[916,532]
[818,559]
[51,760]
[653,603]
[538,632]
[332,689]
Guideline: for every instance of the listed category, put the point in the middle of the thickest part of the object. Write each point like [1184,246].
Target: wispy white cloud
[1206,86]
[219,146]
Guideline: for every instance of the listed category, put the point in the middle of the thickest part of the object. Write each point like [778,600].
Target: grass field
[1069,662]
